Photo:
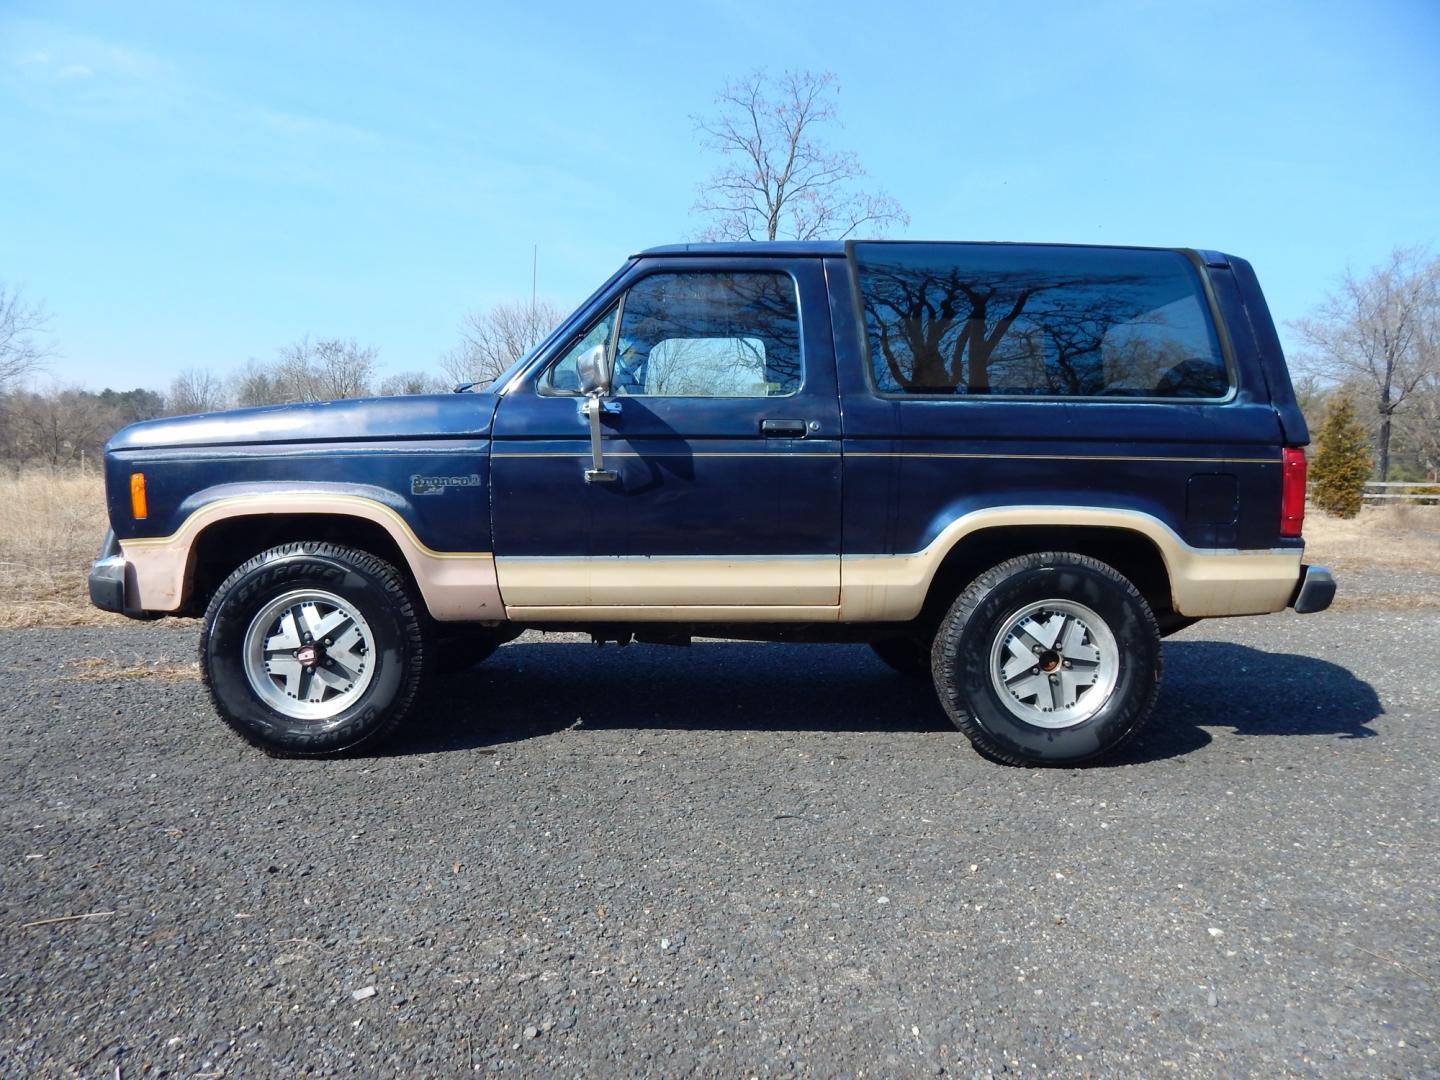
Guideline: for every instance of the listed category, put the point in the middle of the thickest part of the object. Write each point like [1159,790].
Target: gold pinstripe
[1062,457]
[888,454]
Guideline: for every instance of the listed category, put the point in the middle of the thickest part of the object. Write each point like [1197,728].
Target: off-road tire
[961,659]
[378,592]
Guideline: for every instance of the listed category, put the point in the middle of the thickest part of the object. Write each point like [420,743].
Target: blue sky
[189,185]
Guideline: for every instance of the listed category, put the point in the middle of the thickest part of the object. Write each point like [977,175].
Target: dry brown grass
[50,530]
[1398,537]
[107,668]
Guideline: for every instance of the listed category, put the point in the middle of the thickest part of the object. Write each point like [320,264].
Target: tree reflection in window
[1047,321]
[709,334]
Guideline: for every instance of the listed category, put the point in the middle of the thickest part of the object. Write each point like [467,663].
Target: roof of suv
[785,248]
[817,249]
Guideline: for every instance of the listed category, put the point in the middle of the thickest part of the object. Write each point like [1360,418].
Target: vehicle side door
[720,441]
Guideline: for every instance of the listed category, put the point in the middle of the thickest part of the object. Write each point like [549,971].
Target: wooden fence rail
[1381,491]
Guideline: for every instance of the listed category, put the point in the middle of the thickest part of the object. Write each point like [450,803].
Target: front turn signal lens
[139,509]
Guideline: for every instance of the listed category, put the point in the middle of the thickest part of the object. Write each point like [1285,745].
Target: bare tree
[196,390]
[57,426]
[1419,429]
[779,180]
[493,339]
[325,370]
[412,382]
[256,384]
[1311,394]
[1422,426]
[21,323]
[1380,331]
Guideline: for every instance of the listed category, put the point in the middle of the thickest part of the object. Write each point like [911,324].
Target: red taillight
[1292,492]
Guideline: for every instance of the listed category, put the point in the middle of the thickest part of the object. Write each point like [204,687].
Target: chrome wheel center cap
[1054,664]
[309,655]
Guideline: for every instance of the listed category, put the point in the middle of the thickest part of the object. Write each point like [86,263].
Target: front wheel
[1048,659]
[312,649]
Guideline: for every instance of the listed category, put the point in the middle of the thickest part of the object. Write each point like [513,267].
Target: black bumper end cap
[1315,591]
[107,585]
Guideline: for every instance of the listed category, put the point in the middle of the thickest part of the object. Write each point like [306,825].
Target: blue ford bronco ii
[1008,468]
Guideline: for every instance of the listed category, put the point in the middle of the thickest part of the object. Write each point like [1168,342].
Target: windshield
[515,368]
[503,379]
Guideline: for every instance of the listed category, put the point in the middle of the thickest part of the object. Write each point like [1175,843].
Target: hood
[418,416]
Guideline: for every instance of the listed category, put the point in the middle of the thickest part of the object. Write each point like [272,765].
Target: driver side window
[709,334]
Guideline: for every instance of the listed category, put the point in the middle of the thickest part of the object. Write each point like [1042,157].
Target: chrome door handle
[783,429]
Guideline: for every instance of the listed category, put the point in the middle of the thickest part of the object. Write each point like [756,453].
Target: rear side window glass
[973,319]
[709,335]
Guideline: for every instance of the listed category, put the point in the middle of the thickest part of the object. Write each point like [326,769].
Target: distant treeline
[56,426]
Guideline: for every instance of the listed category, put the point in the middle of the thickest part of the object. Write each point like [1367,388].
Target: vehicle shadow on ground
[1218,684]
[530,689]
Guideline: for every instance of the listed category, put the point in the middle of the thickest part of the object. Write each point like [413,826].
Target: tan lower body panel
[698,613]
[872,588]
[884,588]
[1203,582]
[691,582]
[456,586]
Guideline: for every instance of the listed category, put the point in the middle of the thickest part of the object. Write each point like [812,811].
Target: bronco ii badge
[434,485]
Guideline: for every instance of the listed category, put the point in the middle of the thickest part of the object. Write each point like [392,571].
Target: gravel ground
[728,860]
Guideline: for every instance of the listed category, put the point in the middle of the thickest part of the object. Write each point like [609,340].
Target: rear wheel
[312,649]
[1048,659]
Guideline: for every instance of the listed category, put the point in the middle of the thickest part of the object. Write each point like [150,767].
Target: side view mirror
[593,373]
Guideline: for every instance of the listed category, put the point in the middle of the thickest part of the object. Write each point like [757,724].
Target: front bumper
[108,576]
[1315,591]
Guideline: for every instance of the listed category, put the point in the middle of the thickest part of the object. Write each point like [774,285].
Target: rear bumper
[1315,591]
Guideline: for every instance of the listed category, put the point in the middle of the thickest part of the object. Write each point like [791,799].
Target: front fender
[455,585]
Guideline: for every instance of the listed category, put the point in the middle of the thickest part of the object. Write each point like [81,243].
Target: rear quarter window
[1028,321]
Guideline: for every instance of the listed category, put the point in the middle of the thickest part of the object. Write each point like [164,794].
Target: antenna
[534,277]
